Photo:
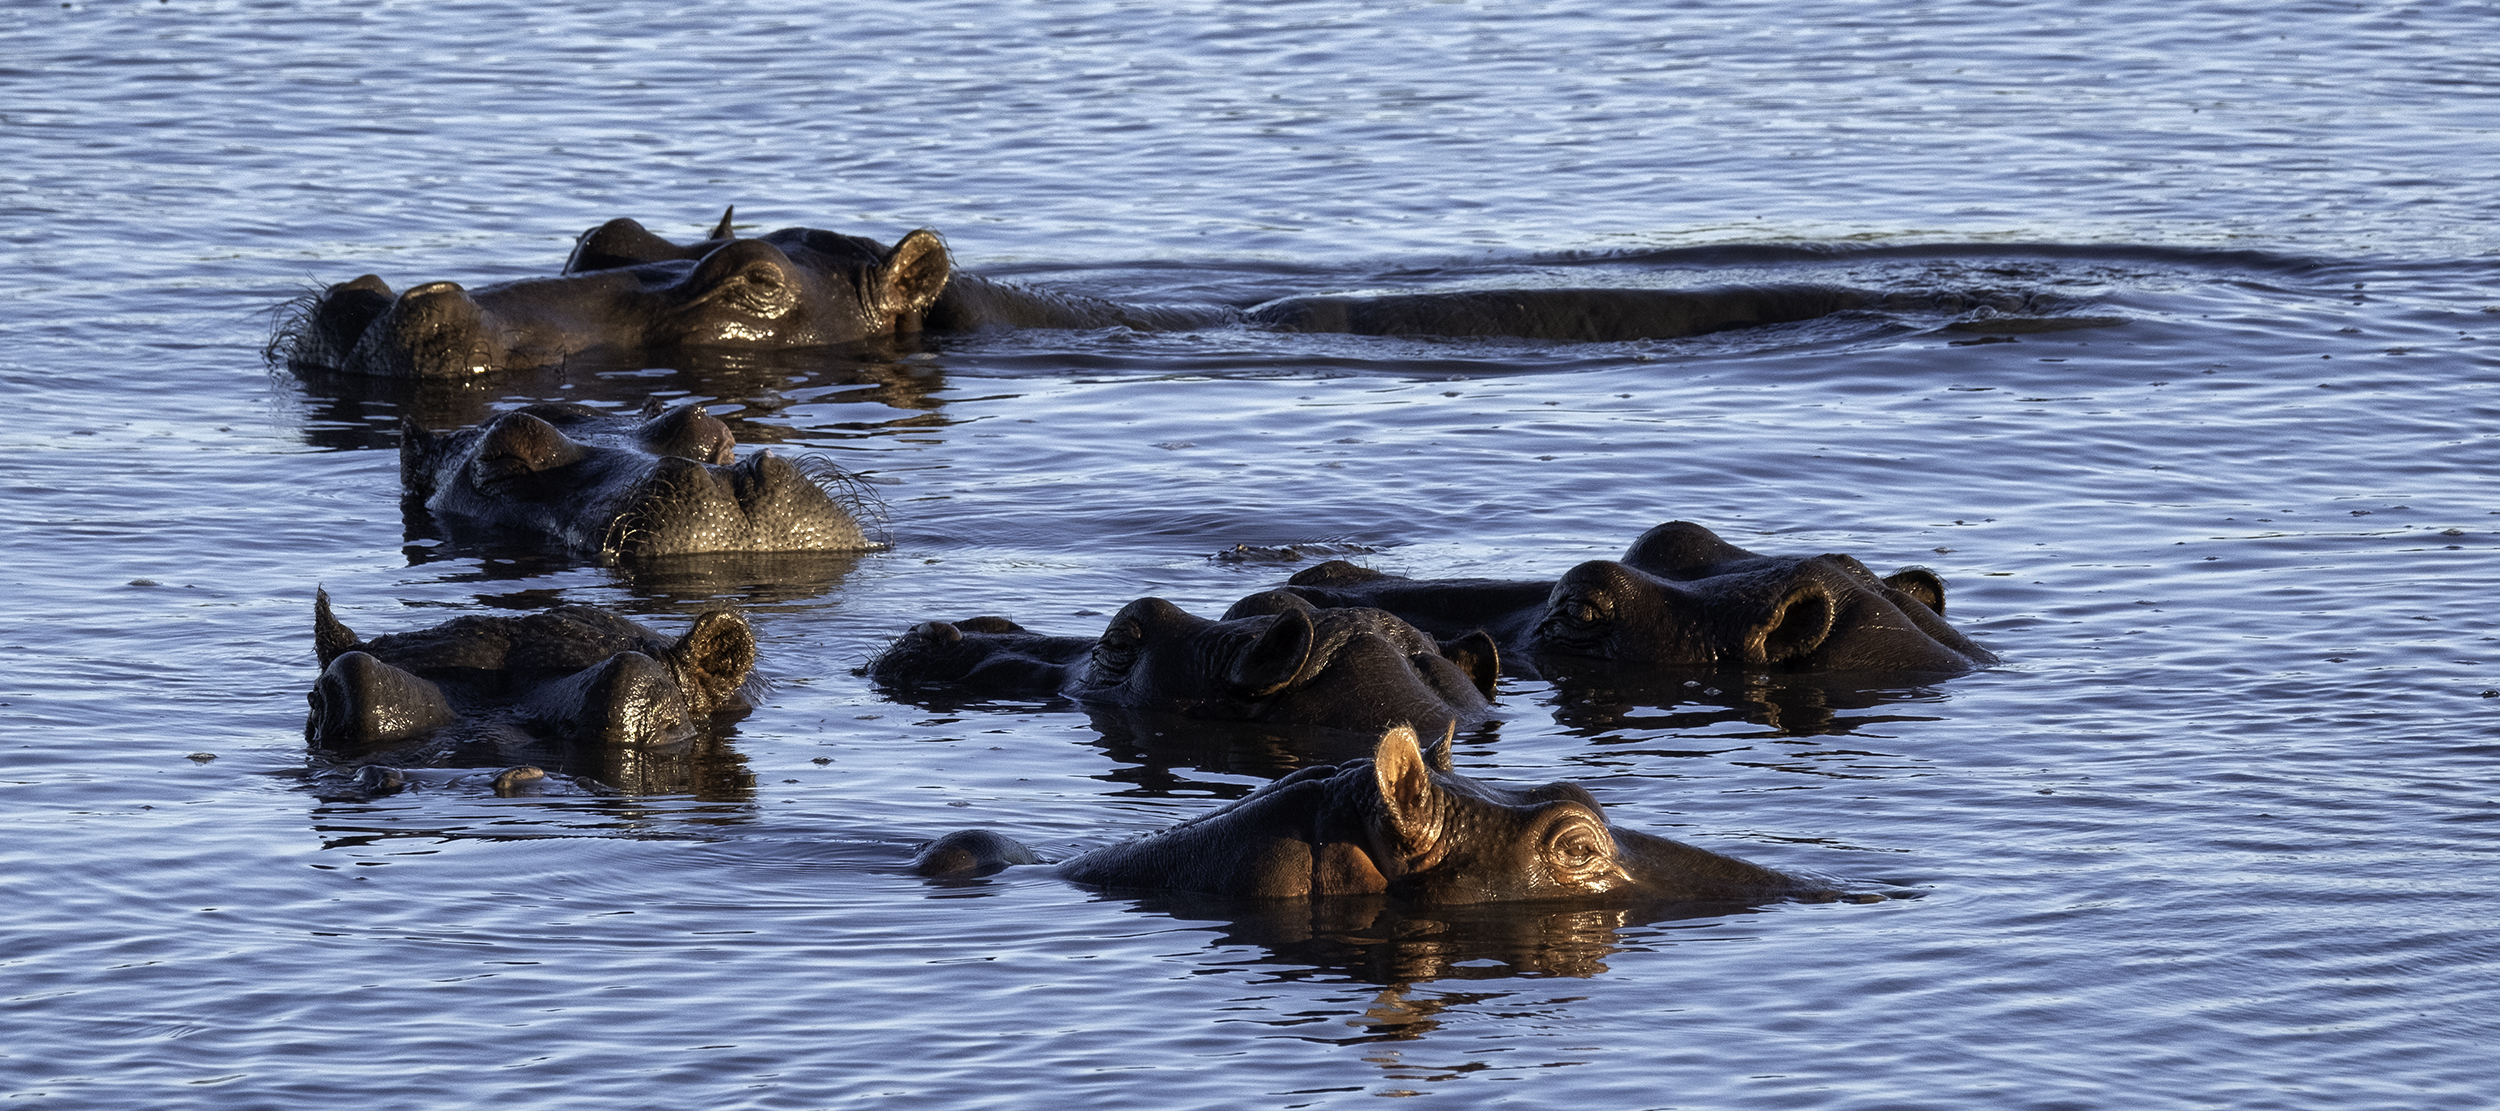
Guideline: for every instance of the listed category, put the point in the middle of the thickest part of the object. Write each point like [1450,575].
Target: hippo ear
[1443,756]
[713,658]
[1919,583]
[1798,625]
[1271,664]
[419,452]
[1476,655]
[911,278]
[723,231]
[331,637]
[1407,793]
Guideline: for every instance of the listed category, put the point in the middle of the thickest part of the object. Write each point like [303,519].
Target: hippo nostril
[944,633]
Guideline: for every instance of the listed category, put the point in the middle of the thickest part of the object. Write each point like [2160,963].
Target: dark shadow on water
[603,789]
[1599,701]
[667,585]
[1156,752]
[356,412]
[1377,940]
[1166,755]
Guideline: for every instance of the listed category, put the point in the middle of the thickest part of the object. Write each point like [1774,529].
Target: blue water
[2220,833]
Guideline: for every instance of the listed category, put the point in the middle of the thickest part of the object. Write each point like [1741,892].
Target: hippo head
[665,483]
[983,655]
[1273,659]
[798,287]
[572,674]
[1683,597]
[1402,824]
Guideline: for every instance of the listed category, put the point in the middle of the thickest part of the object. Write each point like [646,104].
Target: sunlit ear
[1443,756]
[1406,790]
[713,658]
[331,637]
[1919,583]
[1270,665]
[912,277]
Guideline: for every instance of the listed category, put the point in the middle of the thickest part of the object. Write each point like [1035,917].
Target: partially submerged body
[626,290]
[621,488]
[1271,659]
[1403,825]
[488,691]
[1681,598]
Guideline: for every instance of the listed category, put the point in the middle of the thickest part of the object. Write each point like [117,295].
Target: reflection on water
[1155,752]
[466,758]
[748,390]
[1376,940]
[1601,703]
[2215,830]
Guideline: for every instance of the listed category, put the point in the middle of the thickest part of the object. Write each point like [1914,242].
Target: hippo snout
[360,701]
[432,330]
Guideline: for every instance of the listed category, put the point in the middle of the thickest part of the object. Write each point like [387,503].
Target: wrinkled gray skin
[1398,825]
[626,290]
[1271,659]
[501,687]
[623,488]
[1681,597]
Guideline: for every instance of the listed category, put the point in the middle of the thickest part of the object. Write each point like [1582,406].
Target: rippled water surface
[2220,832]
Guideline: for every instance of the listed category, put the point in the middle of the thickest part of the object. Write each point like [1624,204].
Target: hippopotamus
[1271,659]
[623,488]
[1403,825]
[628,291]
[1680,598]
[479,691]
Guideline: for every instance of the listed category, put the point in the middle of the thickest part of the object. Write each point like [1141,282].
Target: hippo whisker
[290,323]
[854,494]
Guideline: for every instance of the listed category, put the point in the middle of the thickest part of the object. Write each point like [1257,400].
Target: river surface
[2221,832]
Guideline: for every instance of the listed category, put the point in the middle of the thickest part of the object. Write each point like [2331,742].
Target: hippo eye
[759,290]
[1577,847]
[1582,609]
[1117,649]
